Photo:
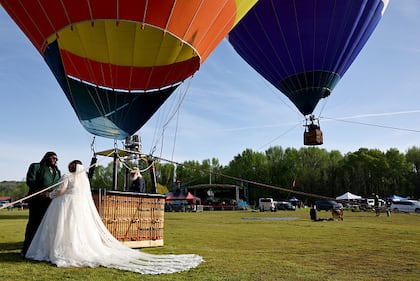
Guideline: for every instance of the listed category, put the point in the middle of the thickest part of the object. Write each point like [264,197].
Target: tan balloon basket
[136,219]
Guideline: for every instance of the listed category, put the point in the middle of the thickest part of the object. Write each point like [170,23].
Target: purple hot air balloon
[304,47]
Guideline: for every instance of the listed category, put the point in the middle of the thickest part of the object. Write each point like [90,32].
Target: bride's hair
[73,164]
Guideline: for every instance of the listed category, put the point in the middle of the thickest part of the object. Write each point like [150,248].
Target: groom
[39,176]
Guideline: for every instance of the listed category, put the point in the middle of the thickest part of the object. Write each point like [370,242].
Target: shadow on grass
[14,217]
[12,257]
[11,246]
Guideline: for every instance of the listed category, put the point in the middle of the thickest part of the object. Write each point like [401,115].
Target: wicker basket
[136,219]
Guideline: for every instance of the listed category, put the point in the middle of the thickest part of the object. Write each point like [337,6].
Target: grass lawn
[246,245]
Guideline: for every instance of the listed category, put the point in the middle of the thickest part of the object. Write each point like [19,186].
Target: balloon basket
[135,219]
[313,137]
[313,133]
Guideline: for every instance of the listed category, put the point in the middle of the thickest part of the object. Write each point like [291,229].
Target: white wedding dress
[72,234]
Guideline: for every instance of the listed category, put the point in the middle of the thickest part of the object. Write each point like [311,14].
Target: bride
[72,234]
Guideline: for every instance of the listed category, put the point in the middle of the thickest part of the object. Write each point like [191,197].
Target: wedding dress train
[72,234]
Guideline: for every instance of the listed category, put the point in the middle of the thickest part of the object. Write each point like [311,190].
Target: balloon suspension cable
[324,104]
[93,161]
[311,122]
[153,149]
[92,146]
[174,112]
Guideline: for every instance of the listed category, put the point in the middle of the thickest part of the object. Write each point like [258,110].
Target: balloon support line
[380,114]
[289,190]
[45,189]
[276,138]
[372,125]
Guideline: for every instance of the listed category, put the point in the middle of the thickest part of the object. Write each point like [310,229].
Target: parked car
[266,204]
[325,205]
[406,206]
[284,205]
[21,205]
[3,203]
[369,203]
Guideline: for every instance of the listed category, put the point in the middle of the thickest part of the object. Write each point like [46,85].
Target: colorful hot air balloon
[118,61]
[304,47]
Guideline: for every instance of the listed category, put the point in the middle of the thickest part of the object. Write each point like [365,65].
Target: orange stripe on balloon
[215,20]
[188,20]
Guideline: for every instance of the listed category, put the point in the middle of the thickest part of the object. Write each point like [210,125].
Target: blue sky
[225,108]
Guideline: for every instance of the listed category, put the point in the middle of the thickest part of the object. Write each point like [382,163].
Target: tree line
[310,170]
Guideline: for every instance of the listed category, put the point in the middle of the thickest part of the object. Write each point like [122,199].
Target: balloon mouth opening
[306,89]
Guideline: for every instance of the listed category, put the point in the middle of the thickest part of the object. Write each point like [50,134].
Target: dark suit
[138,185]
[37,178]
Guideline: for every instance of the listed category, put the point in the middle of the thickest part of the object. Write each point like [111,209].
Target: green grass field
[246,245]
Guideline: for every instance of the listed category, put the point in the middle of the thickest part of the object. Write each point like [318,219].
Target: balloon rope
[294,191]
[123,162]
[276,138]
[169,119]
[374,125]
[43,190]
[175,135]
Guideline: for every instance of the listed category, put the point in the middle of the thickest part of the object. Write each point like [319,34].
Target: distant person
[388,207]
[337,212]
[312,212]
[72,234]
[137,181]
[39,176]
[377,206]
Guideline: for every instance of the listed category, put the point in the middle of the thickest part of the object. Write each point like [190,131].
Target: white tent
[348,196]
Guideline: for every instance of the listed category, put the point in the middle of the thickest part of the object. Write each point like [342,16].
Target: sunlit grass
[246,245]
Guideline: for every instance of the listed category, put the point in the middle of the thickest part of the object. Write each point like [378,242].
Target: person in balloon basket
[137,181]
[72,234]
[39,176]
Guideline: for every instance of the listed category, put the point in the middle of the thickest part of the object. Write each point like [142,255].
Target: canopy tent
[396,197]
[5,198]
[179,196]
[348,196]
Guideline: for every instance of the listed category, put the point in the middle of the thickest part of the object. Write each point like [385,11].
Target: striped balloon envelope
[117,61]
[304,47]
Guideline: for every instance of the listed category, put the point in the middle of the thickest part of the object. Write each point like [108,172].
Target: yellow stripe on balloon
[124,44]
[242,7]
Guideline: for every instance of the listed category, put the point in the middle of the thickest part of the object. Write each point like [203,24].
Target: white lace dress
[72,234]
